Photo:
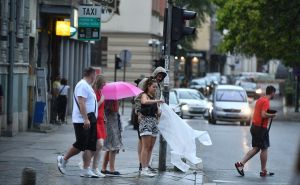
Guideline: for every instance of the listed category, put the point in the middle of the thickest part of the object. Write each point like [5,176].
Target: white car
[174,103]
[192,102]
[230,103]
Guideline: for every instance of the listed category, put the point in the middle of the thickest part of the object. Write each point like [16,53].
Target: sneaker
[88,173]
[146,172]
[61,164]
[98,173]
[152,169]
[80,165]
[240,168]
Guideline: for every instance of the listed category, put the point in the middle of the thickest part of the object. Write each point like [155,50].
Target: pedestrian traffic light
[118,62]
[179,28]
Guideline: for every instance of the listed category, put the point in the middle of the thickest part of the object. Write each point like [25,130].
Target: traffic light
[159,63]
[118,62]
[179,29]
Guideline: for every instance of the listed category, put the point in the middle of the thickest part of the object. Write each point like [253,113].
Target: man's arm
[81,102]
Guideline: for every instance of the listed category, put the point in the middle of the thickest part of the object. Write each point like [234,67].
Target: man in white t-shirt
[84,102]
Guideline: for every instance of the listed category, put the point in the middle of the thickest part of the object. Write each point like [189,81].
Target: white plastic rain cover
[181,138]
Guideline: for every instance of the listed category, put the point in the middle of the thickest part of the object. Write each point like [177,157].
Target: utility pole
[297,94]
[167,52]
[12,40]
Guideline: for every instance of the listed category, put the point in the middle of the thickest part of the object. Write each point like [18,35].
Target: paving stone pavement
[39,151]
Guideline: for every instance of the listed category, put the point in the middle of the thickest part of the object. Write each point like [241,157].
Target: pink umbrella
[119,90]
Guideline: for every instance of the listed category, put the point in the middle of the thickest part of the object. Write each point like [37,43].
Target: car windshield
[248,85]
[172,98]
[198,82]
[190,95]
[231,95]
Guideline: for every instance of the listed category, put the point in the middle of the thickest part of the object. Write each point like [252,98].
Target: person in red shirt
[259,133]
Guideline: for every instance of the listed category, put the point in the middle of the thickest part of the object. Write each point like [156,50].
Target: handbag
[91,115]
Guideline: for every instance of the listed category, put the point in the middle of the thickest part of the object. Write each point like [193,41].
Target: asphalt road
[231,142]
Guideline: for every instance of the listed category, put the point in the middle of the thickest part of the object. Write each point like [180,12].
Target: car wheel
[211,120]
[248,122]
[181,115]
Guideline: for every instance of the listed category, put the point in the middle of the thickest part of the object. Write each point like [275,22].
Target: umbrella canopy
[119,90]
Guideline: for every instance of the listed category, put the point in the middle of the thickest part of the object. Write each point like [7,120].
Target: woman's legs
[153,139]
[105,161]
[146,148]
[97,154]
[112,157]
[140,149]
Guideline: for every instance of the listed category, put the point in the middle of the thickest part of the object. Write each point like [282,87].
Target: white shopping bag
[181,138]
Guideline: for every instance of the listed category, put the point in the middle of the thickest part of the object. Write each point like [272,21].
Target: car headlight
[258,91]
[246,110]
[185,107]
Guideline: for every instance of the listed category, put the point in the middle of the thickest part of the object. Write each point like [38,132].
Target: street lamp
[156,47]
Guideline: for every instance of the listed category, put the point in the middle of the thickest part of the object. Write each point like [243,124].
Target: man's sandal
[239,167]
[266,173]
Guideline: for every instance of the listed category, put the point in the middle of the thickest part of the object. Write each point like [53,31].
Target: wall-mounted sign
[89,22]
[63,28]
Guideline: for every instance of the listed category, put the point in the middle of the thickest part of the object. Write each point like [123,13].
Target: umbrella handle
[270,125]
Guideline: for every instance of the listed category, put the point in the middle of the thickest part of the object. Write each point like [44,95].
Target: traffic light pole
[115,75]
[167,52]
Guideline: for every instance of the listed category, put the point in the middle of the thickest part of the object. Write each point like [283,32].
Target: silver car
[192,102]
[230,103]
[174,103]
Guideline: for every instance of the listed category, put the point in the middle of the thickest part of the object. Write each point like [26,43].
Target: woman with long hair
[148,123]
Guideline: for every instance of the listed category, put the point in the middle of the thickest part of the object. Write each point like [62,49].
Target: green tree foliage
[269,29]
[203,9]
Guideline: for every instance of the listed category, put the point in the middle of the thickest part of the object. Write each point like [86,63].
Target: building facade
[138,23]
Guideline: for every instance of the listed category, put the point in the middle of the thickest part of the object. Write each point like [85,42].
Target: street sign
[125,56]
[89,22]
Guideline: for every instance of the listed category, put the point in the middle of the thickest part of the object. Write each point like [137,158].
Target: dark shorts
[260,137]
[86,139]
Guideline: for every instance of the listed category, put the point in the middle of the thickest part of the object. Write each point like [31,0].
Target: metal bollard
[28,176]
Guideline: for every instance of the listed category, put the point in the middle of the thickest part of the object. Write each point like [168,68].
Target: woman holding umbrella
[113,141]
[148,123]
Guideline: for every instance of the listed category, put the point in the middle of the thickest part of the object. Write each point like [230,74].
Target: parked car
[192,102]
[174,103]
[230,103]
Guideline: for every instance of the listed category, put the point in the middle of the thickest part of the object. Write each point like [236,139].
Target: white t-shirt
[63,89]
[84,90]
